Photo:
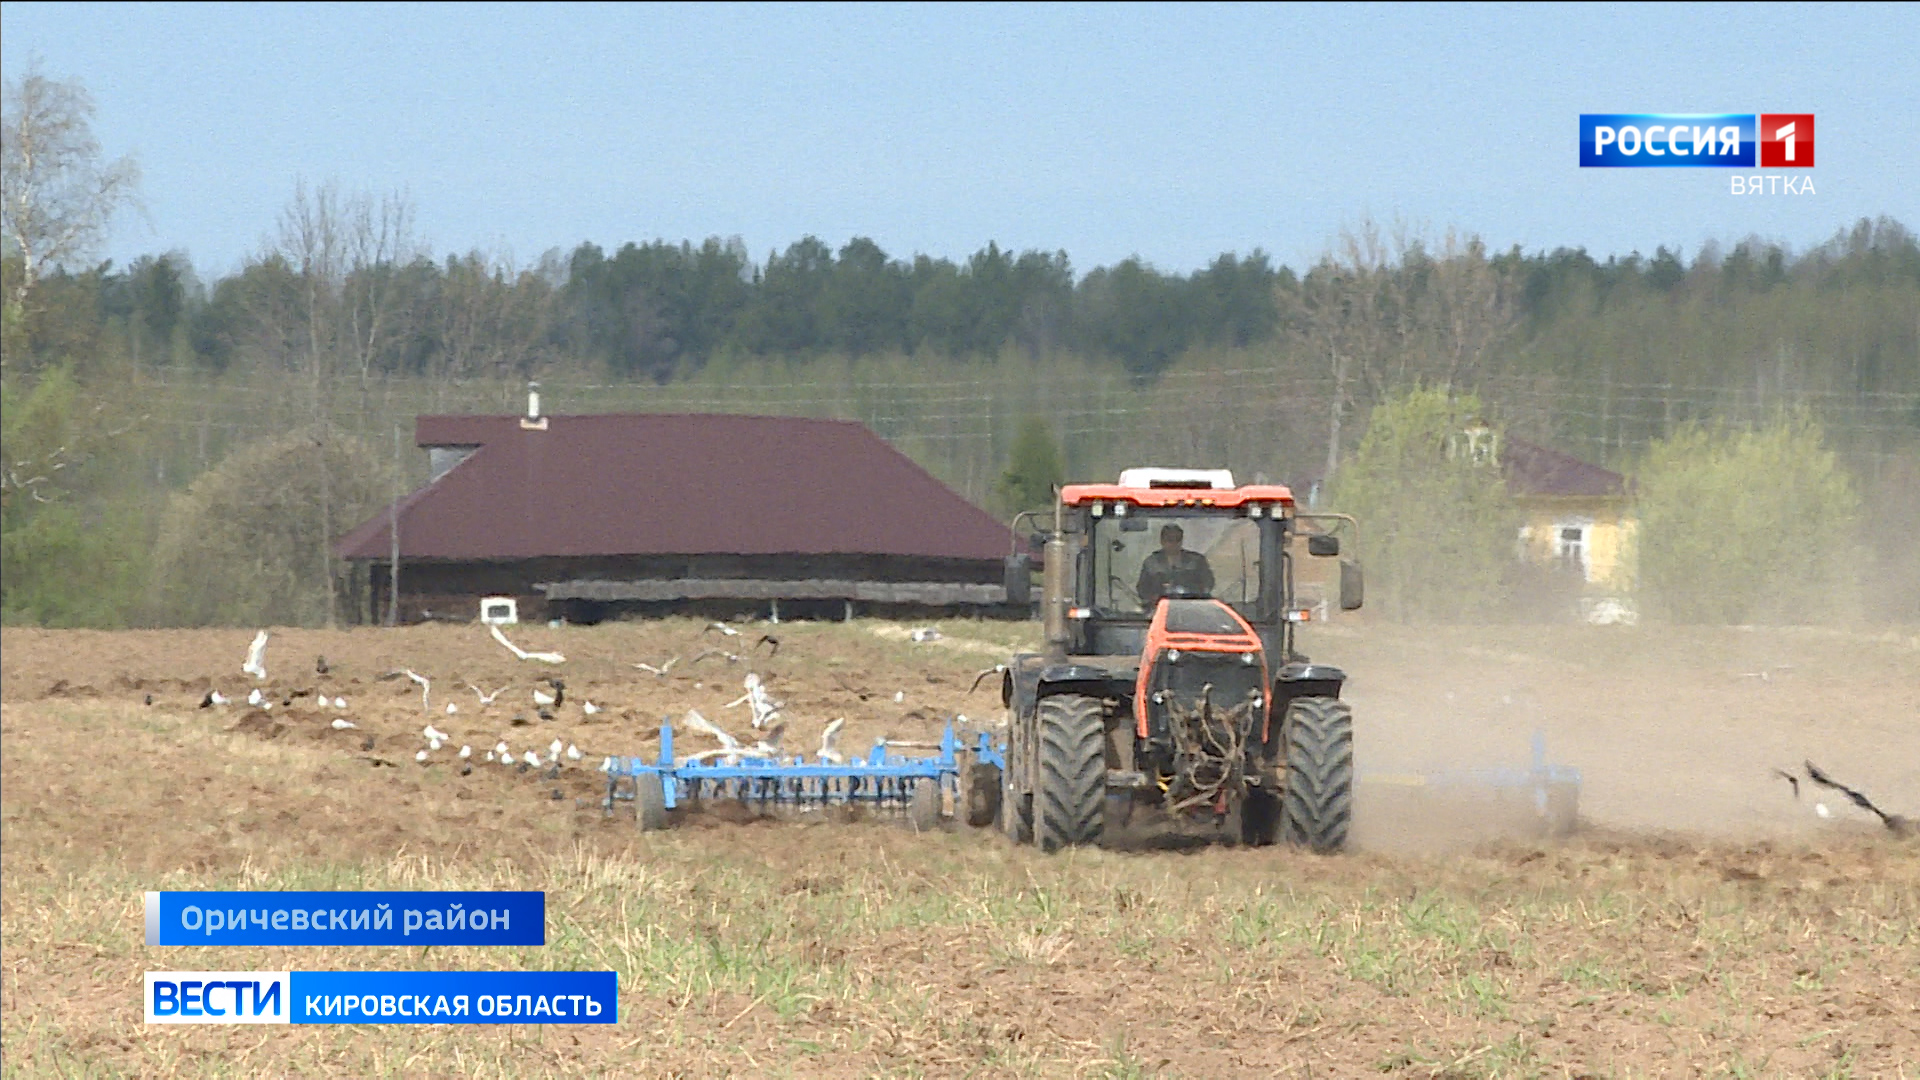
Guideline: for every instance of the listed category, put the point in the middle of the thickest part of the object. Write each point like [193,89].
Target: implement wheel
[649,802]
[984,795]
[1071,803]
[1317,808]
[923,812]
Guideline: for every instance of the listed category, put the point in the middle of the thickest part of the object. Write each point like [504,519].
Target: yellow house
[1578,516]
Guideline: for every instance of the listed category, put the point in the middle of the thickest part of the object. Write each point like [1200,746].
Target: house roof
[1536,470]
[674,484]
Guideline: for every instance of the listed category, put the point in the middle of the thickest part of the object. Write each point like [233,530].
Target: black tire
[649,802]
[1016,809]
[1317,808]
[1071,803]
[984,797]
[923,812]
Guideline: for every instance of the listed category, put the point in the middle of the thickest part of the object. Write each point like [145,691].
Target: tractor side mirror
[1323,545]
[1353,587]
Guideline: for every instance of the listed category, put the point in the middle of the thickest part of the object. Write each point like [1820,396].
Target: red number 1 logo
[1786,140]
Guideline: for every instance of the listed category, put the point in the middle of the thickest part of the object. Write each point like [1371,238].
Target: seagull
[1898,825]
[214,697]
[765,709]
[925,633]
[573,752]
[434,745]
[344,725]
[590,708]
[660,671]
[701,724]
[543,657]
[827,738]
[255,697]
[501,749]
[553,752]
[466,752]
[452,709]
[425,687]
[722,627]
[541,699]
[489,757]
[485,699]
[434,734]
[899,696]
[606,766]
[256,656]
[421,756]
[729,657]
[532,759]
[339,703]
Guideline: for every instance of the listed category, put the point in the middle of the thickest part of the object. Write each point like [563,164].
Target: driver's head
[1170,538]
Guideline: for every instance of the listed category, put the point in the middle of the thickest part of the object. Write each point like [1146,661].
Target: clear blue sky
[1169,132]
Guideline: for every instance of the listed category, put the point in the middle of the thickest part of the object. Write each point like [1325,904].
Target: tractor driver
[1173,567]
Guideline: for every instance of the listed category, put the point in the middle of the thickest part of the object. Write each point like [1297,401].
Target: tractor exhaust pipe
[1056,584]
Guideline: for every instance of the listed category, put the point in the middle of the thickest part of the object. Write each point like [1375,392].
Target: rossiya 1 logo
[1696,140]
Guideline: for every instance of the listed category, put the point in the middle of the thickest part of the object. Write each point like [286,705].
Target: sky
[1170,133]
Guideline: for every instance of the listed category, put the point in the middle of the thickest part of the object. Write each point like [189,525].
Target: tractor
[1170,682]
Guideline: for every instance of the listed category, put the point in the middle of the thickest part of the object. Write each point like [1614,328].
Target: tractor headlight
[1247,658]
[1173,656]
[1119,509]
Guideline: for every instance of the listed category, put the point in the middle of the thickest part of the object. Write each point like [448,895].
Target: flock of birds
[1897,824]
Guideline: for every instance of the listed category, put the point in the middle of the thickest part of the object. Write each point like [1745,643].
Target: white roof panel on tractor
[1147,476]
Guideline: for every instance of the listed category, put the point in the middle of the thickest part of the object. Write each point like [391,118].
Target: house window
[1571,548]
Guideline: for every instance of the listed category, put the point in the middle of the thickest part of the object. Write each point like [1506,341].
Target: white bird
[827,737]
[531,758]
[434,745]
[489,756]
[607,765]
[256,657]
[1821,809]
[765,709]
[501,749]
[452,709]
[485,699]
[541,699]
[255,697]
[434,734]
[344,725]
[425,688]
[590,708]
[661,670]
[703,725]
[340,703]
[925,633]
[215,697]
[421,756]
[543,657]
[723,628]
[553,752]
[573,752]
[899,696]
[466,752]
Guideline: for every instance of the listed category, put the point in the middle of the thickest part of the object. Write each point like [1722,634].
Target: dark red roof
[1536,470]
[666,484]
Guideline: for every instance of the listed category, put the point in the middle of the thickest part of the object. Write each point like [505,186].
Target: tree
[1437,528]
[1747,525]
[1034,470]
[56,195]
[237,547]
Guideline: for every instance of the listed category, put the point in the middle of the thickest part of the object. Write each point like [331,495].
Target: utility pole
[393,538]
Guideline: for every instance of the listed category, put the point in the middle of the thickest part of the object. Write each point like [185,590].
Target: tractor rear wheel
[1071,803]
[1317,807]
[649,802]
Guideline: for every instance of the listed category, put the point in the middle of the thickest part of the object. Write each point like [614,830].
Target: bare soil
[1705,920]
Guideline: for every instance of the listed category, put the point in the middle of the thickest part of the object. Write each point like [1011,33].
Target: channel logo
[1696,140]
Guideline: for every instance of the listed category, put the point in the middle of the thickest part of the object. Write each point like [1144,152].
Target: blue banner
[1667,140]
[382,997]
[346,918]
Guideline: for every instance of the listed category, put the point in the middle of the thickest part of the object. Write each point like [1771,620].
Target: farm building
[1578,516]
[586,517]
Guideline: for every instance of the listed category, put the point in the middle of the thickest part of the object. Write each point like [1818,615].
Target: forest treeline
[148,404]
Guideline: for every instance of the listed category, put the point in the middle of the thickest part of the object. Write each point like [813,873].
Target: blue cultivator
[1550,792]
[882,780]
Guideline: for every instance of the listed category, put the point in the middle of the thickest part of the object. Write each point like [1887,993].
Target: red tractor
[1170,678]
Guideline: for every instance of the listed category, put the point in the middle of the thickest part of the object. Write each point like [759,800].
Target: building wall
[1603,551]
